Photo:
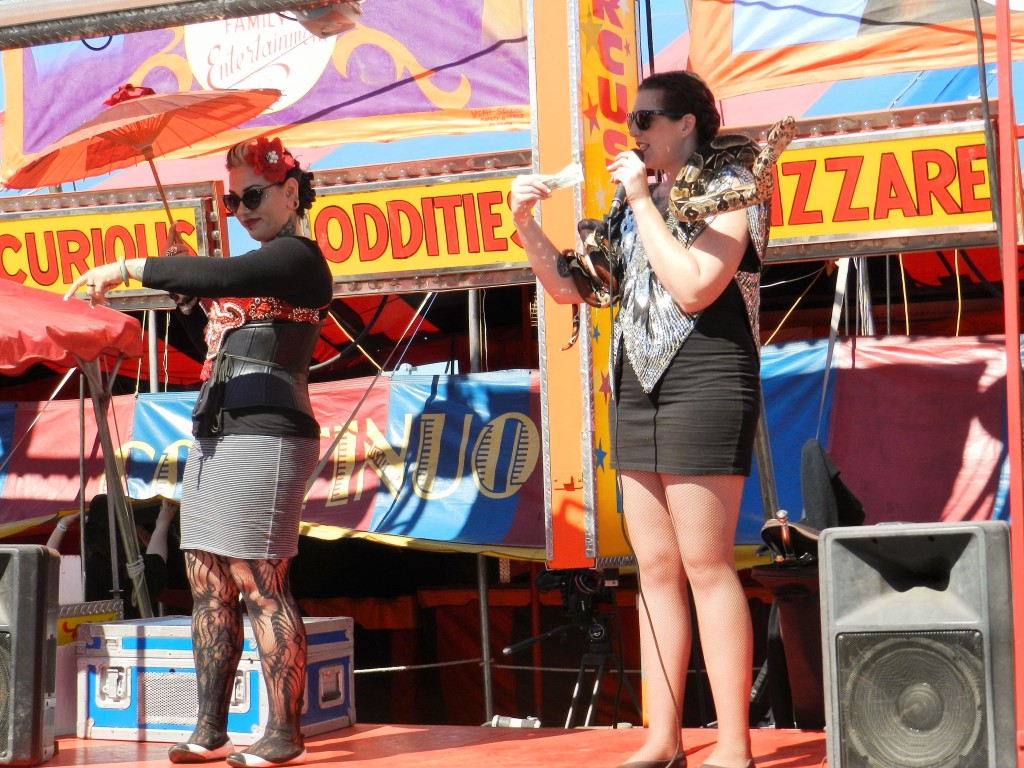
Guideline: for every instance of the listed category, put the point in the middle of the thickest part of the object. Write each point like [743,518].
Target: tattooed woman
[256,443]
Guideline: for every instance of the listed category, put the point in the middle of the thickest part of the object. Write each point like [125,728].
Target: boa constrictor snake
[730,149]
[592,271]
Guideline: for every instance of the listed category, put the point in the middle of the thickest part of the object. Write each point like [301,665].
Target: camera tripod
[594,662]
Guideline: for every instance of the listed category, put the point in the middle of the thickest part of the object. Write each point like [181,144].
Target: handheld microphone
[620,193]
[617,201]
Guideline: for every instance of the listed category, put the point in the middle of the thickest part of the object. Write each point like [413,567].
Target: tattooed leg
[217,647]
[216,640]
[281,638]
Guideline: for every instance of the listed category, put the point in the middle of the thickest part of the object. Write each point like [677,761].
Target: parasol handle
[147,152]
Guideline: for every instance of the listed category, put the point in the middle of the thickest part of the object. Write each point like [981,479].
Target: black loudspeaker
[917,642]
[29,579]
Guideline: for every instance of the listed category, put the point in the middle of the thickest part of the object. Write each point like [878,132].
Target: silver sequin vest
[649,323]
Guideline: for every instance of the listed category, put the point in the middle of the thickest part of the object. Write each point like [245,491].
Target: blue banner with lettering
[443,458]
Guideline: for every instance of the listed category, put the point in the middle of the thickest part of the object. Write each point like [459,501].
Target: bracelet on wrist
[61,526]
[124,271]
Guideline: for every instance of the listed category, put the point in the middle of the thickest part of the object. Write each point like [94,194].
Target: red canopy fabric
[37,326]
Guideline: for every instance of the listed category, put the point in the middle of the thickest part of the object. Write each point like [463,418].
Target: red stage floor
[373,746]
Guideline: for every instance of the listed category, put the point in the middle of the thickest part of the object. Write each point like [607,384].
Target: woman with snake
[256,443]
[685,358]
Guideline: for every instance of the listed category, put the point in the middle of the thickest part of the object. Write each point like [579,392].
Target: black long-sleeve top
[290,269]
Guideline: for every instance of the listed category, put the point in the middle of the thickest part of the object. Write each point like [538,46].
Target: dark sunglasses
[642,117]
[251,198]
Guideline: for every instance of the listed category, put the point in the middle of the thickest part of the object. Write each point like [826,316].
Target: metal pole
[100,18]
[485,636]
[151,321]
[1009,180]
[115,491]
[81,475]
[475,331]
[475,355]
[765,466]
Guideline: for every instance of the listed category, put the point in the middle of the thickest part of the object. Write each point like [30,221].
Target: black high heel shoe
[679,761]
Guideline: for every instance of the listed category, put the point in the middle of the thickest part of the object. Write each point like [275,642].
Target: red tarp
[43,478]
[38,326]
[918,426]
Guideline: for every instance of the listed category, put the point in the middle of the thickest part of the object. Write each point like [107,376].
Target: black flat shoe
[679,761]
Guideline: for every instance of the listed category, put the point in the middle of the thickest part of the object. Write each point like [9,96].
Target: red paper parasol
[140,124]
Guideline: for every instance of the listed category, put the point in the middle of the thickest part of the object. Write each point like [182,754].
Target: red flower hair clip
[270,159]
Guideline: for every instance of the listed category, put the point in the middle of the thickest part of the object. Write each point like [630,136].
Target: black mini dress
[687,385]
[701,416]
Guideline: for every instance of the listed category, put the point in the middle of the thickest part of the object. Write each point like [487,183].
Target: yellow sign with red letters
[422,228]
[881,192]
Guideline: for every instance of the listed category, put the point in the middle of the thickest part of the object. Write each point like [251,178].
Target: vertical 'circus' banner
[581,96]
[609,84]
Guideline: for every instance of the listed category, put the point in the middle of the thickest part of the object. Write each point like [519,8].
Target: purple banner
[407,68]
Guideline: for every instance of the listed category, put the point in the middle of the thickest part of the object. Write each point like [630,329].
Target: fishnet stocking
[217,582]
[682,531]
[216,642]
[281,638]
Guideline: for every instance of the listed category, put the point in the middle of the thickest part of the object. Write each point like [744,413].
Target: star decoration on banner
[589,30]
[591,114]
[599,456]
[606,386]
[600,198]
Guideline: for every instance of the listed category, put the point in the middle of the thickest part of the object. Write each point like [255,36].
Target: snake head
[588,227]
[594,234]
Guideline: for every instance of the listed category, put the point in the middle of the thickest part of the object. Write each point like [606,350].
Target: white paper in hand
[569,176]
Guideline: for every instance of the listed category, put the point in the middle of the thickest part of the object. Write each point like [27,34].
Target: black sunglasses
[251,198]
[642,117]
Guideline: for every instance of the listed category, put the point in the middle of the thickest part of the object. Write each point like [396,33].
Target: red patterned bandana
[226,314]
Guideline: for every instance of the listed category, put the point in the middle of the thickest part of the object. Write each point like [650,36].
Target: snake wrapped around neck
[592,269]
[729,149]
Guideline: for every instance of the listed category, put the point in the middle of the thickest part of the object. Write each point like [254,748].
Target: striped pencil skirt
[241,495]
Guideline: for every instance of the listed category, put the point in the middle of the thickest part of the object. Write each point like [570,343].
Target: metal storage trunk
[137,681]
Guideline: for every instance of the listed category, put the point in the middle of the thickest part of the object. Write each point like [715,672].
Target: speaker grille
[168,698]
[912,700]
[5,693]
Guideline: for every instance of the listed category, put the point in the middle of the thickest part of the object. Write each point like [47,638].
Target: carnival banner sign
[746,46]
[406,69]
[882,192]
[49,250]
[444,458]
[416,228]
